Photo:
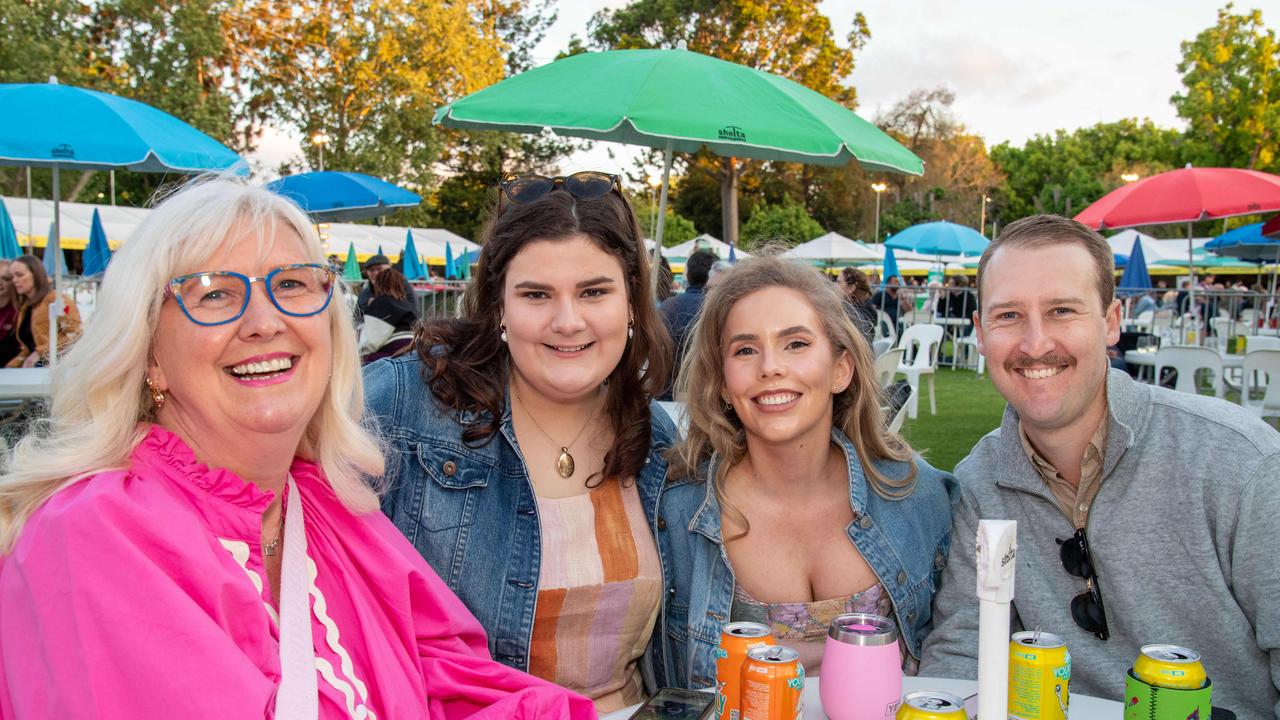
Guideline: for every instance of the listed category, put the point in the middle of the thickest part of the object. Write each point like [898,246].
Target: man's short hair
[1041,230]
[698,267]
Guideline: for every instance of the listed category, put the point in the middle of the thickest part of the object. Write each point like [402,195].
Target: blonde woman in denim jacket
[789,502]
[526,460]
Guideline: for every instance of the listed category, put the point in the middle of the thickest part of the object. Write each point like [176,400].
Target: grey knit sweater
[1184,532]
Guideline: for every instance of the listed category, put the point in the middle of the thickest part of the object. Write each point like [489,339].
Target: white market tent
[1153,250]
[835,249]
[719,247]
[120,222]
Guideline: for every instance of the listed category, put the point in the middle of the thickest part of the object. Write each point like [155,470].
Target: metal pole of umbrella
[1191,291]
[662,213]
[54,245]
[30,242]
[113,188]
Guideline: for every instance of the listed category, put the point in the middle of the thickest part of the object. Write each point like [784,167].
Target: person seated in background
[1143,303]
[374,265]
[195,534]
[789,502]
[856,289]
[9,346]
[1144,515]
[389,318]
[36,296]
[890,299]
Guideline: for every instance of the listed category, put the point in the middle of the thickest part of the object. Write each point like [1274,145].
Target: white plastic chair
[920,345]
[886,328]
[969,344]
[1187,360]
[1144,321]
[1261,342]
[1264,364]
[887,367]
[895,425]
[1249,318]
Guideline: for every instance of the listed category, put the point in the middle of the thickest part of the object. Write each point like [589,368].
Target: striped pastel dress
[600,589]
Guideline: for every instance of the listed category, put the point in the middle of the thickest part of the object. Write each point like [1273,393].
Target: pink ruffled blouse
[141,593]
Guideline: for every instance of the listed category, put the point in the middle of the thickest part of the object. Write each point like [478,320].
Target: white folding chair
[1261,342]
[1264,364]
[1249,318]
[886,328]
[920,357]
[1188,360]
[887,367]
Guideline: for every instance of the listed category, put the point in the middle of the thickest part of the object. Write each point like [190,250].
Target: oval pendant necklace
[564,464]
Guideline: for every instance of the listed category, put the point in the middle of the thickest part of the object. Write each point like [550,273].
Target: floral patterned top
[809,621]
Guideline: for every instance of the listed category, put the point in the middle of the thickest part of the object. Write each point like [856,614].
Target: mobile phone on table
[676,704]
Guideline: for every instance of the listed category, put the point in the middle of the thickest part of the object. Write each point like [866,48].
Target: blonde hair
[856,411]
[99,396]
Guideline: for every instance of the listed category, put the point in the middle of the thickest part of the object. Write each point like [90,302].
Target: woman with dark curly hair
[526,456]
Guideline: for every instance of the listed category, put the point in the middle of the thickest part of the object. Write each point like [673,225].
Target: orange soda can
[772,684]
[735,640]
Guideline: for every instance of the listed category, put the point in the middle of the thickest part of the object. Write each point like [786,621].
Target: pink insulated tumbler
[861,676]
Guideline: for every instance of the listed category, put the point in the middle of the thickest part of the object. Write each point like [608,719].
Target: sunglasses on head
[586,185]
[1086,608]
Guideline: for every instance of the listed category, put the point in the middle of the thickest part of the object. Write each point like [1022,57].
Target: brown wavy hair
[856,410]
[465,363]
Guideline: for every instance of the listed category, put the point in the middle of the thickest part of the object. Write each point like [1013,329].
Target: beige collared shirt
[1073,500]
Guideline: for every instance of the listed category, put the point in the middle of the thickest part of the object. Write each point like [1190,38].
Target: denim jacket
[904,541]
[470,510]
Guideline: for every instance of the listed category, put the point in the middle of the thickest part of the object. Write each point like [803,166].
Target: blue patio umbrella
[939,238]
[1135,279]
[52,252]
[890,266]
[98,253]
[8,236]
[63,127]
[343,196]
[1247,243]
[413,268]
[733,253]
[450,272]
[464,262]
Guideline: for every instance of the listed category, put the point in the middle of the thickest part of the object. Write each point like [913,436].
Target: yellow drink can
[1170,666]
[1039,676]
[929,705]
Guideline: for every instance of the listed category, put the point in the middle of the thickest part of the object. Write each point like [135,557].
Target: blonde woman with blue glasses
[192,533]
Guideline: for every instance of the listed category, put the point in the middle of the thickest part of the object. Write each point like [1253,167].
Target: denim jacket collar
[706,521]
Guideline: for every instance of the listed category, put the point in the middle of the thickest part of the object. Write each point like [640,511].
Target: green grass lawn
[968,408]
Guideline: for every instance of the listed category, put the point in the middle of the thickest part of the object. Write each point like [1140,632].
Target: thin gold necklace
[564,464]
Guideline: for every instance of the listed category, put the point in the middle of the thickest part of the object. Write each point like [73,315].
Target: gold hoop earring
[157,395]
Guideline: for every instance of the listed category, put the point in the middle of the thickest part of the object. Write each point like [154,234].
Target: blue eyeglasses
[220,297]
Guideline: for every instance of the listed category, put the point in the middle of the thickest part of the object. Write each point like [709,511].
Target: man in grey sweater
[1175,496]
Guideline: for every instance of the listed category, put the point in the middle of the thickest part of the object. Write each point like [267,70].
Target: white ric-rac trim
[240,553]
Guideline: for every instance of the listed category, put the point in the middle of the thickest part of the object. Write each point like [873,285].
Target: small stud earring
[503,335]
[157,395]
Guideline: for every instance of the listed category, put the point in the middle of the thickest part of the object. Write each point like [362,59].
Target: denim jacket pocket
[457,478]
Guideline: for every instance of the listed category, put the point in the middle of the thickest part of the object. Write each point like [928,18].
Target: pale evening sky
[1018,67]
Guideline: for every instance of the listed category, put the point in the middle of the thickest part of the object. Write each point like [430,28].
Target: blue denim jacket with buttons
[904,541]
[470,510]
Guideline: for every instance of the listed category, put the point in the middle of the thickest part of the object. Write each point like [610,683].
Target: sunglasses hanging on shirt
[1086,608]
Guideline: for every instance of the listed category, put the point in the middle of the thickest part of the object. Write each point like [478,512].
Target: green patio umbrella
[678,100]
[351,270]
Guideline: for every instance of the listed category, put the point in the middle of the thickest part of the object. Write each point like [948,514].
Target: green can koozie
[1143,701]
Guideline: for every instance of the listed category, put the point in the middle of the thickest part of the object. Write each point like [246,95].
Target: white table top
[24,383]
[1082,707]
[1140,357]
